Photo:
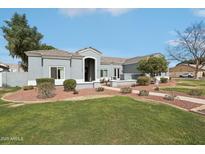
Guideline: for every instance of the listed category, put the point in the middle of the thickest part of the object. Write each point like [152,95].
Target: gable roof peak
[81,50]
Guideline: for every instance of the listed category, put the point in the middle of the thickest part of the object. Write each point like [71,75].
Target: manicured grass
[7,90]
[117,120]
[180,89]
[185,86]
[190,82]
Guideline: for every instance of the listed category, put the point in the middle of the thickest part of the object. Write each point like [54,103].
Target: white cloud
[199,12]
[76,12]
[173,42]
[116,11]
[82,11]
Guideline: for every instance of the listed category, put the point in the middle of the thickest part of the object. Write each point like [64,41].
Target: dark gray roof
[52,53]
[112,60]
[135,60]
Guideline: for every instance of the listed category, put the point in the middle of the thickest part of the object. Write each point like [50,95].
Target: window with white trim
[103,73]
[57,72]
[117,72]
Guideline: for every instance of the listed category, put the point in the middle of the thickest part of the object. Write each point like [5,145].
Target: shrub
[75,91]
[69,85]
[163,80]
[99,89]
[46,90]
[196,92]
[143,93]
[143,80]
[156,89]
[126,90]
[43,80]
[27,87]
[152,80]
[169,97]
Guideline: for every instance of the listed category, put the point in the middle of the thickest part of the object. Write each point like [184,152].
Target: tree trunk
[196,70]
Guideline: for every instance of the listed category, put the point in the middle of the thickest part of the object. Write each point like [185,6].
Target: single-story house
[185,68]
[86,66]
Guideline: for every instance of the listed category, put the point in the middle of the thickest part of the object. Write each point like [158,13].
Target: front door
[89,70]
[116,73]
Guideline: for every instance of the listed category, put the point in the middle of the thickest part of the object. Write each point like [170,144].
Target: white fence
[0,79]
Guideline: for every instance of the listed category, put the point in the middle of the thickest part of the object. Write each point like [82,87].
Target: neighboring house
[15,68]
[185,68]
[85,65]
[10,67]
[4,67]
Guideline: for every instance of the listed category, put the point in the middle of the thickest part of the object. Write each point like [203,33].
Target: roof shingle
[52,53]
[112,60]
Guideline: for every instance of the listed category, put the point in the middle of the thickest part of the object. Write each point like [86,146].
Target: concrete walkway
[184,98]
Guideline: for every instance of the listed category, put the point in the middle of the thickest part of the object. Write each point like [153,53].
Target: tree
[153,65]
[189,47]
[21,38]
[45,47]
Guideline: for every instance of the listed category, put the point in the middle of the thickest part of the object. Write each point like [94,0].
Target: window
[57,72]
[103,73]
[117,72]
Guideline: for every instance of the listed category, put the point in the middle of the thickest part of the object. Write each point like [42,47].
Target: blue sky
[120,33]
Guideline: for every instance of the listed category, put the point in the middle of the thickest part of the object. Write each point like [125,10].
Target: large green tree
[153,65]
[21,38]
[46,47]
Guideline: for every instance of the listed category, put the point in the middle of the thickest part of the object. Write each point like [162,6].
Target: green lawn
[7,90]
[117,120]
[185,86]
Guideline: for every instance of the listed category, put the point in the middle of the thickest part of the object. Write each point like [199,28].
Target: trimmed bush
[126,90]
[156,89]
[27,87]
[143,80]
[99,89]
[69,85]
[143,93]
[43,80]
[46,90]
[169,97]
[75,91]
[196,92]
[163,80]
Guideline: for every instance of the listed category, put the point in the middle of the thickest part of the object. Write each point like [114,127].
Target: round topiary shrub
[163,80]
[69,85]
[143,80]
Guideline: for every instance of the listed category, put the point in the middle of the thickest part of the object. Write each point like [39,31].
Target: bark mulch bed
[151,87]
[31,95]
[179,103]
[60,94]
